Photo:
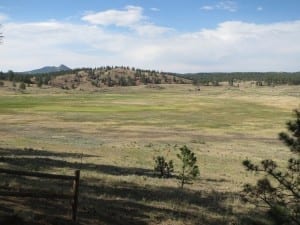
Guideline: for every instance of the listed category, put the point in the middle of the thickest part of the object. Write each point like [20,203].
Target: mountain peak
[49,69]
[63,67]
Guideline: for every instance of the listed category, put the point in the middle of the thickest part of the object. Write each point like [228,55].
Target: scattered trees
[188,170]
[279,190]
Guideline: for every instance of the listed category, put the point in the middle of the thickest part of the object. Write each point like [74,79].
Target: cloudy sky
[166,35]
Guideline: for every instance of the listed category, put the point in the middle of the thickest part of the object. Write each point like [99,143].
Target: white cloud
[231,46]
[151,30]
[130,16]
[3,17]
[208,7]
[230,6]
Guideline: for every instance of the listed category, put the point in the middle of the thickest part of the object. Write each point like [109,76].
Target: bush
[163,167]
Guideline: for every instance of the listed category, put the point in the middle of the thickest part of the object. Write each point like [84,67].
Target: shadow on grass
[36,152]
[26,159]
[27,211]
[211,201]
[123,203]
[110,203]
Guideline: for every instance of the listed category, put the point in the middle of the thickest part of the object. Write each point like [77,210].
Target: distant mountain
[49,69]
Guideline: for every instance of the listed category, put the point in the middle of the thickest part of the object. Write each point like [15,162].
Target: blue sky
[168,35]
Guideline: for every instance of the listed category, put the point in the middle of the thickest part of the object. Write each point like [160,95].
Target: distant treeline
[126,76]
[30,78]
[260,78]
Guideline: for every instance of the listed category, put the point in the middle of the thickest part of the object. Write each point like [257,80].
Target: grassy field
[112,135]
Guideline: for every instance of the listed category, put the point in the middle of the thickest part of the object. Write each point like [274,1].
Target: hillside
[113,76]
[88,78]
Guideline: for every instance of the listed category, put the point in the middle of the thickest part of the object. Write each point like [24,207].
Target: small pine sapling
[189,170]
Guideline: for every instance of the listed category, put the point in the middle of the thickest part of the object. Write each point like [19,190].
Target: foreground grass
[113,136]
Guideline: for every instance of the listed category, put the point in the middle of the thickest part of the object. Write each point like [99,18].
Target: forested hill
[261,78]
[96,77]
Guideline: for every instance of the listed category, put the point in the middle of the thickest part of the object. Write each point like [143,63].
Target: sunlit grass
[128,127]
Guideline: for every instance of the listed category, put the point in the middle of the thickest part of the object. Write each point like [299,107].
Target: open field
[113,135]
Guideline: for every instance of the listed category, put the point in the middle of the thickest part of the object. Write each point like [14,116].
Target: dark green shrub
[22,86]
[163,167]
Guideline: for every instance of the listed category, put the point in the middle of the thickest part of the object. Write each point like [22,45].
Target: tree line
[126,76]
[260,78]
[27,78]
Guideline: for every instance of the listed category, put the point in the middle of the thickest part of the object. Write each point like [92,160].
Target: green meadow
[113,135]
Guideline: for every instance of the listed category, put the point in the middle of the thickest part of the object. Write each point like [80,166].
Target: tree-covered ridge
[261,78]
[96,77]
[126,76]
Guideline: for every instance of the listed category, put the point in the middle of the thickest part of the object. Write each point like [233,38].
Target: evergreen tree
[189,170]
[22,86]
[11,75]
[40,82]
[279,190]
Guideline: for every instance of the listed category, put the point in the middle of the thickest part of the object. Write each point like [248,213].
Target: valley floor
[112,136]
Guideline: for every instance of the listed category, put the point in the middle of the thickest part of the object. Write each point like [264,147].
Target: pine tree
[22,86]
[189,170]
[279,190]
[40,82]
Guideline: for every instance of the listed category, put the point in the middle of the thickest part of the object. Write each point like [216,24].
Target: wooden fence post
[75,196]
[46,195]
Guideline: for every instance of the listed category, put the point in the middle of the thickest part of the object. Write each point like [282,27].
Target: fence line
[47,195]
[37,174]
